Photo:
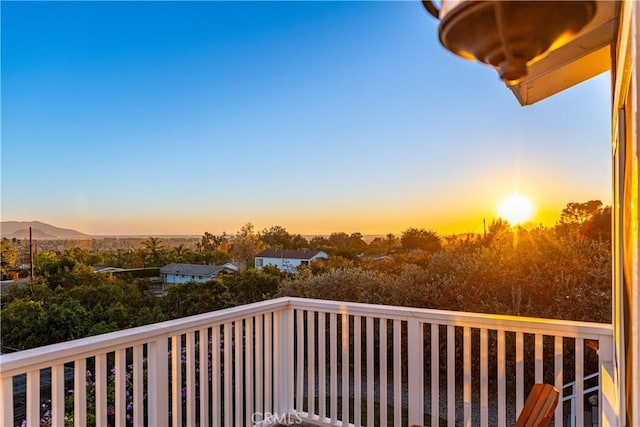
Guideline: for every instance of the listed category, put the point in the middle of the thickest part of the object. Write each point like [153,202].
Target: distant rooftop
[196,269]
[289,253]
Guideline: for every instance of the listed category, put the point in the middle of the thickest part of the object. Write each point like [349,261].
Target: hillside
[40,230]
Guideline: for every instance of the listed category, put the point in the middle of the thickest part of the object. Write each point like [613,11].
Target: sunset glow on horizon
[516,209]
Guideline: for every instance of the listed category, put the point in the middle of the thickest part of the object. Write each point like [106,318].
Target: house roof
[289,254]
[196,269]
[99,269]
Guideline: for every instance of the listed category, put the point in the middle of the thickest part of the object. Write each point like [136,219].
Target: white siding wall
[286,264]
[179,278]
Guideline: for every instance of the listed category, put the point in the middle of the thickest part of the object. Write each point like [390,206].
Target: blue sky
[161,118]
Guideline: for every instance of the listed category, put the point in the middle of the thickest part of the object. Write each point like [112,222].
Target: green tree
[383,245]
[213,249]
[598,227]
[66,320]
[579,213]
[245,244]
[195,298]
[154,246]
[252,285]
[419,238]
[8,256]
[342,284]
[342,244]
[585,220]
[21,325]
[180,253]
[278,237]
[499,229]
[319,242]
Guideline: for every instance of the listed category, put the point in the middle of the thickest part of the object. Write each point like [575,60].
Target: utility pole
[484,225]
[30,255]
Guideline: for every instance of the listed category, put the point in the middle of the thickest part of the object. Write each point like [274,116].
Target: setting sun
[516,209]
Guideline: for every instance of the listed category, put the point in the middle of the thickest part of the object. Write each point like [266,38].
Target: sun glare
[516,209]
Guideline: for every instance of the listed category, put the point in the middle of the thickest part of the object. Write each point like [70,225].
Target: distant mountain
[39,230]
[36,234]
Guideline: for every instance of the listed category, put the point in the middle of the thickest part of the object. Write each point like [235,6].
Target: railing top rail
[566,328]
[23,361]
[36,358]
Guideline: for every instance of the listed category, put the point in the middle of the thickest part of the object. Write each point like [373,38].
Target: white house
[287,259]
[185,273]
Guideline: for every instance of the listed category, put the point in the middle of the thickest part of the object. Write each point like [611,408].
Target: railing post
[608,395]
[285,378]
[157,374]
[415,349]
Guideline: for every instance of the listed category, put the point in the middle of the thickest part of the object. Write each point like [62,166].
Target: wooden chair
[539,407]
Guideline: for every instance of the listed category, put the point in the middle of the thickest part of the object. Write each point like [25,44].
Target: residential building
[287,259]
[176,273]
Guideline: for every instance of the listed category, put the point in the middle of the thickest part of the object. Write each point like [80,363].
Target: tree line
[558,272]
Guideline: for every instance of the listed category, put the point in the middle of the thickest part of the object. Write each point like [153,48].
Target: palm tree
[154,245]
[180,252]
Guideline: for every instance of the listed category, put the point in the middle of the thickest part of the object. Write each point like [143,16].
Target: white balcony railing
[323,362]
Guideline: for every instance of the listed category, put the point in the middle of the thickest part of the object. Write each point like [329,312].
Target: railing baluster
[333,367]
[519,372]
[484,378]
[383,372]
[191,378]
[502,360]
[311,362]
[57,395]
[299,404]
[277,366]
[80,392]
[357,370]
[322,404]
[466,391]
[138,386]
[250,369]
[176,384]
[539,358]
[101,379]
[435,374]
[558,380]
[579,352]
[260,363]
[237,351]
[227,348]
[158,382]
[451,376]
[120,387]
[203,339]
[268,363]
[33,398]
[370,371]
[397,373]
[216,389]
[284,369]
[415,357]
[345,368]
